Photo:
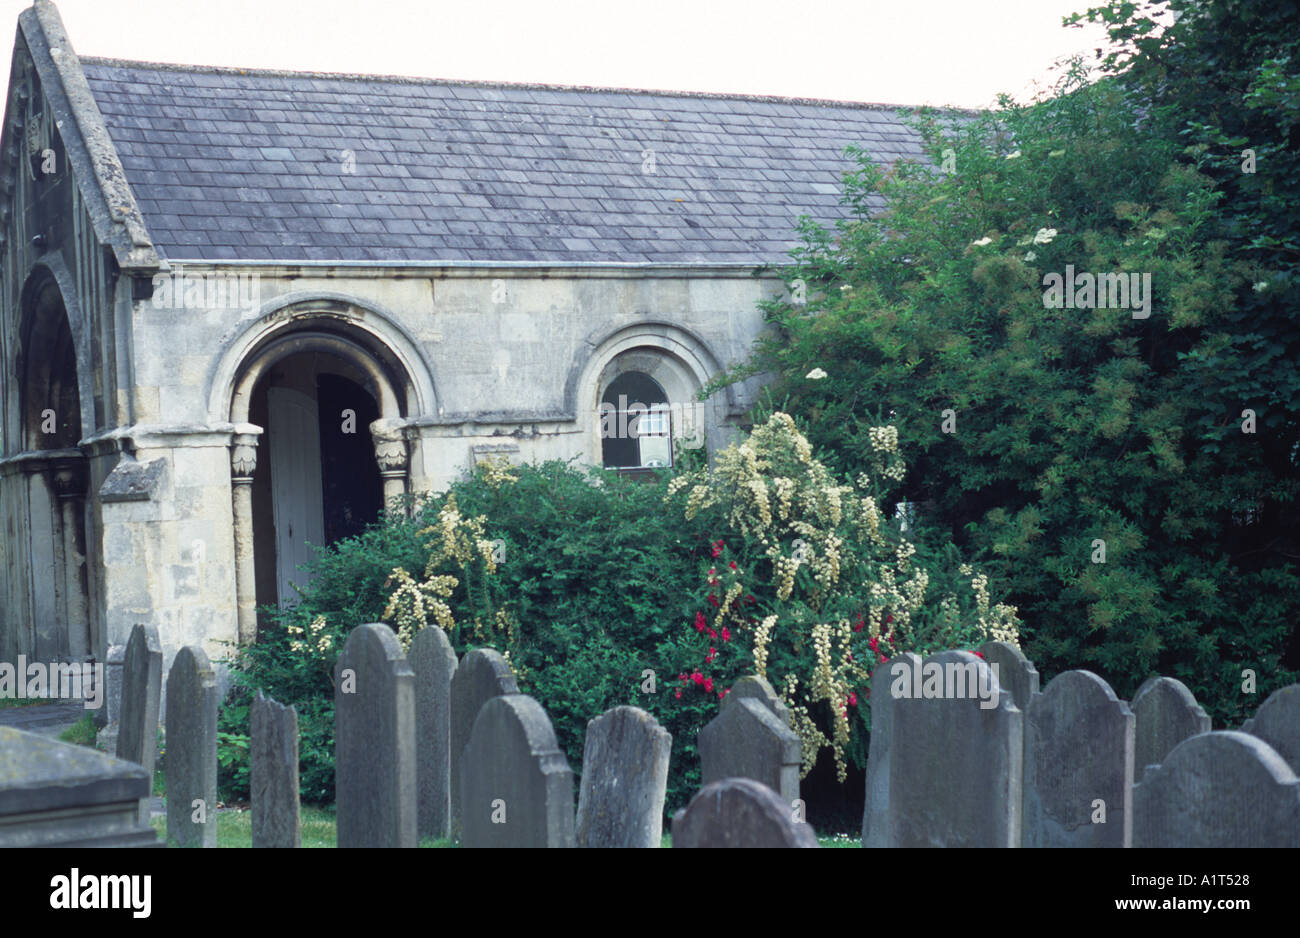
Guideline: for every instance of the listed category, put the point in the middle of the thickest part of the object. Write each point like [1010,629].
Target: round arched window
[635,424]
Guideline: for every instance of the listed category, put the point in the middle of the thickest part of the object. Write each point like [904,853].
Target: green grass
[82,732]
[320,829]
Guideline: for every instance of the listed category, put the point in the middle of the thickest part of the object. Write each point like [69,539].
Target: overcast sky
[960,52]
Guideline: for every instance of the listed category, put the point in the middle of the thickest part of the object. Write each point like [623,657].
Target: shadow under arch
[56,409]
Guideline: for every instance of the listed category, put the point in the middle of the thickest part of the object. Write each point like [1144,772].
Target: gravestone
[374,718]
[875,813]
[1166,713]
[1016,673]
[137,734]
[956,745]
[56,794]
[754,687]
[434,662]
[1078,765]
[109,713]
[191,763]
[739,812]
[746,740]
[1277,722]
[482,675]
[273,774]
[518,786]
[1219,789]
[624,780]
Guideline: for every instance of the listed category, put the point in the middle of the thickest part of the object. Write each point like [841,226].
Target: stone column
[70,489]
[243,463]
[390,453]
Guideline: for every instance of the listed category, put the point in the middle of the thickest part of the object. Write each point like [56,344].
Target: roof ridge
[524,86]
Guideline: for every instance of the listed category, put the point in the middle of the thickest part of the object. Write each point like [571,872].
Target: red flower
[888,619]
[750,600]
[717,548]
[708,684]
[682,678]
[883,659]
[713,600]
[699,622]
[697,677]
[678,695]
[713,571]
[726,634]
[712,634]
[721,694]
[860,623]
[853,699]
[874,645]
[713,653]
[732,564]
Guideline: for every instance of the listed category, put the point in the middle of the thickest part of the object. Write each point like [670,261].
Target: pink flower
[726,634]
[678,695]
[697,677]
[853,699]
[721,694]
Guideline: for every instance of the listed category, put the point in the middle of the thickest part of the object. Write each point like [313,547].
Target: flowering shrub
[812,586]
[606,591]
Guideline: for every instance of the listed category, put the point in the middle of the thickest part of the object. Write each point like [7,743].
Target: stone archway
[311,484]
[676,361]
[54,474]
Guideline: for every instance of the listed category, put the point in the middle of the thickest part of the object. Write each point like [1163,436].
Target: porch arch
[301,336]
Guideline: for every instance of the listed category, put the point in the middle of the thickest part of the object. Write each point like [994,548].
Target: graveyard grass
[235,829]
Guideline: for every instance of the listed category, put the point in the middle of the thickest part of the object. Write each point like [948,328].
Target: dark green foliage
[1072,426]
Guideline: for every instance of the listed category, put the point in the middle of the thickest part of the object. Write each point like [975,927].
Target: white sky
[960,52]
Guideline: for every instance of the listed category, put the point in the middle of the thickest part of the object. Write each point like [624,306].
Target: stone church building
[241,309]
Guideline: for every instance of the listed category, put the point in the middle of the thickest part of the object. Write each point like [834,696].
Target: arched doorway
[320,481]
[318,452]
[55,474]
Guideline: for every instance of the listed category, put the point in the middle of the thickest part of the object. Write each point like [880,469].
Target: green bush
[602,591]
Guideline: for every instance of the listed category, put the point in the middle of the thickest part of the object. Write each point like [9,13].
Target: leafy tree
[1086,454]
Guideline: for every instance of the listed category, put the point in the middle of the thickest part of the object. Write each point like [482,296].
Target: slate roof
[232,164]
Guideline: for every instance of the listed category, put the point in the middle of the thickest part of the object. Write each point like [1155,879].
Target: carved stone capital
[391,455]
[69,478]
[390,446]
[243,456]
